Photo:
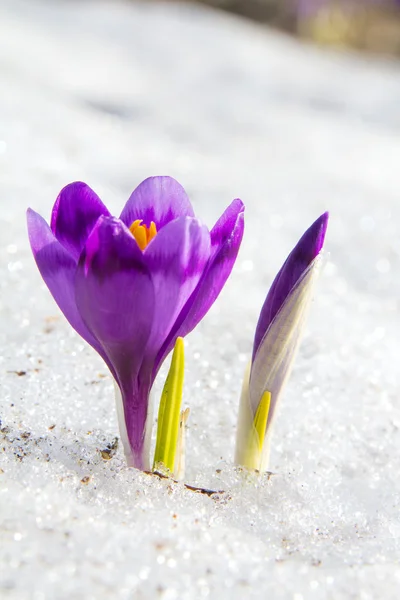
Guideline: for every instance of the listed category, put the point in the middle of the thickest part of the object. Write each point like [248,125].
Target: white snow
[110,93]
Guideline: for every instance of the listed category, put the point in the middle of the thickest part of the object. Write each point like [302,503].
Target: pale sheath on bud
[276,342]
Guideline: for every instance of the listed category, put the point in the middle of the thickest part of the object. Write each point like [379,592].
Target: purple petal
[57,267]
[158,199]
[74,215]
[226,237]
[115,297]
[176,258]
[308,247]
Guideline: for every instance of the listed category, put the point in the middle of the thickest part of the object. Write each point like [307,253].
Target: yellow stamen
[142,234]
[152,232]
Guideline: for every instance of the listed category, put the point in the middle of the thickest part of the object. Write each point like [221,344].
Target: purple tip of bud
[298,261]
[319,226]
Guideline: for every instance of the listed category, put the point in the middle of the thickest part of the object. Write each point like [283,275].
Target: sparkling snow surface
[110,93]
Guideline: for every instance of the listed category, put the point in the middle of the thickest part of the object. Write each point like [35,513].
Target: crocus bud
[276,341]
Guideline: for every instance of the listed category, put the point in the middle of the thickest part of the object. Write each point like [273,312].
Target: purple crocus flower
[131,285]
[275,344]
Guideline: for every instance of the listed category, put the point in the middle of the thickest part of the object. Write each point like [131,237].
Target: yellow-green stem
[169,413]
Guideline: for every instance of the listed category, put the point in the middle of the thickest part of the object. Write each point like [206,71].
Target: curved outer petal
[274,359]
[74,215]
[57,267]
[115,296]
[176,259]
[158,199]
[292,270]
[226,237]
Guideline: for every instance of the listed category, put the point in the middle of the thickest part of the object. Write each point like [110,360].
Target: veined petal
[273,361]
[57,267]
[228,228]
[176,259]
[74,215]
[295,265]
[115,296]
[226,237]
[158,199]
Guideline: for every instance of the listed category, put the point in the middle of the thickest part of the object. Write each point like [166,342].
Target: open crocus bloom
[130,286]
[276,341]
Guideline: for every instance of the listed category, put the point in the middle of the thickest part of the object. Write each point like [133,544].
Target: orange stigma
[143,234]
